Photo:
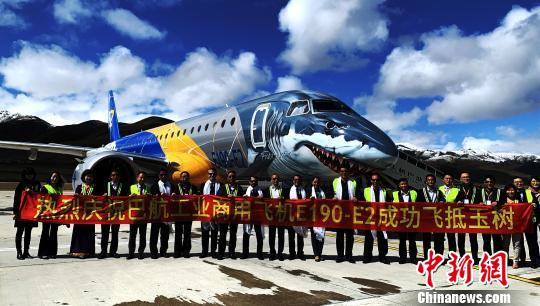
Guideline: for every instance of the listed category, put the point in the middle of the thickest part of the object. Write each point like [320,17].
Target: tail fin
[114,131]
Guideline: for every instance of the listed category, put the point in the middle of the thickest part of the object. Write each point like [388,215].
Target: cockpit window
[330,106]
[298,108]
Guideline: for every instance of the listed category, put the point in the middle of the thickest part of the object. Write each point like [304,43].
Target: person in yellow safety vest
[406,195]
[138,189]
[345,189]
[375,193]
[430,194]
[526,196]
[232,190]
[450,194]
[48,243]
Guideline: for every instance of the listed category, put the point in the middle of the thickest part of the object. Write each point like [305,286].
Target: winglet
[114,131]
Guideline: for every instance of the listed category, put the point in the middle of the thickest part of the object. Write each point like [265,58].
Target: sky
[449,75]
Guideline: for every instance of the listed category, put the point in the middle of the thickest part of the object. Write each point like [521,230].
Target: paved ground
[169,281]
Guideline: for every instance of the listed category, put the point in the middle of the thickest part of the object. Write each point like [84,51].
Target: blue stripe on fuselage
[143,143]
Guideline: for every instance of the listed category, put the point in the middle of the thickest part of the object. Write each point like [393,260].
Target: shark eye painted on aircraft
[330,125]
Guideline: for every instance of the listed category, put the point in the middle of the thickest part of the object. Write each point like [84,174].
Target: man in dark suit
[182,246]
[468,194]
[162,188]
[113,188]
[405,194]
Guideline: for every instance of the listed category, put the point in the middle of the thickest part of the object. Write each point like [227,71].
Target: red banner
[329,213]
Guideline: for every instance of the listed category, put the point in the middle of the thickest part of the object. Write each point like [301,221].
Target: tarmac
[193,281]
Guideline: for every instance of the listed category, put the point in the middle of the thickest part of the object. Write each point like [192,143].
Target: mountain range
[95,133]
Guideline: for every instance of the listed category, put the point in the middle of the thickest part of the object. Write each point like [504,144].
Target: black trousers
[222,244]
[133,228]
[105,230]
[403,238]
[206,236]
[474,245]
[182,238]
[160,230]
[438,243]
[299,242]
[48,243]
[532,243]
[382,245]
[316,244]
[258,235]
[452,246]
[426,243]
[272,239]
[27,230]
[498,243]
[344,241]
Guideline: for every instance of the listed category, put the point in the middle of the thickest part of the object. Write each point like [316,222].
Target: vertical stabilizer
[114,132]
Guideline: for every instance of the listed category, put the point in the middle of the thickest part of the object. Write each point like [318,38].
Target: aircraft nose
[366,143]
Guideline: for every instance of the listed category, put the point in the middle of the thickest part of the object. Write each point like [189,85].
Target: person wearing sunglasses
[491,196]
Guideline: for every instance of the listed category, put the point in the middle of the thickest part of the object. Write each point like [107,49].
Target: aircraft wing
[45,147]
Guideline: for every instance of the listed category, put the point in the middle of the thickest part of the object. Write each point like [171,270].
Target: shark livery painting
[284,133]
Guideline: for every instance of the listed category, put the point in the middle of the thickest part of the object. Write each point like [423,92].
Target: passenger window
[206,127]
[199,129]
[223,123]
[185,130]
[192,128]
[232,121]
[298,108]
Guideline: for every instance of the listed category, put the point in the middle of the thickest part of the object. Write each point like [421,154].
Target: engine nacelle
[102,164]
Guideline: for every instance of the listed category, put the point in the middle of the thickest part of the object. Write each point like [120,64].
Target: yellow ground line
[421,254]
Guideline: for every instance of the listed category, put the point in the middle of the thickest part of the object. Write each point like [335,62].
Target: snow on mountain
[6,117]
[431,155]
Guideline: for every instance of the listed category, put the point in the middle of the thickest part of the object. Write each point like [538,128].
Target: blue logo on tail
[114,131]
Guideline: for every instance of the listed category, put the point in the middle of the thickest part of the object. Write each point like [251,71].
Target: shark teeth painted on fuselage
[318,153]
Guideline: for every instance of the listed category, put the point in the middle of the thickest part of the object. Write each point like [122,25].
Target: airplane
[291,132]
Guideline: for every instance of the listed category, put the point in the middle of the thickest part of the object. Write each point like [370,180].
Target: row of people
[214,236]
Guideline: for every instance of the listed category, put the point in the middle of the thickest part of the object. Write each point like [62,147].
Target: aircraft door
[258,126]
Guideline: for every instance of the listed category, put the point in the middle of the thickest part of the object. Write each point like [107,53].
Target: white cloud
[61,88]
[508,131]
[491,75]
[289,82]
[8,16]
[520,145]
[71,11]
[127,23]
[329,34]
